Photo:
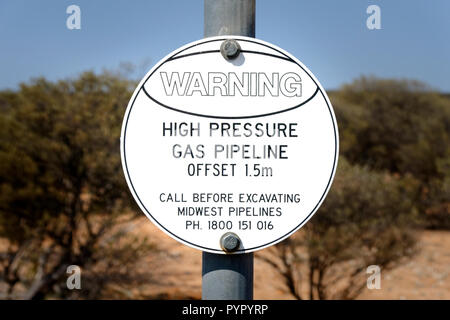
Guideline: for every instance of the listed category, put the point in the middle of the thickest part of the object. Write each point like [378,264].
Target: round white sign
[211,146]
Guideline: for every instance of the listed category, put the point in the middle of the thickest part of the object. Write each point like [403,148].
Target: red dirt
[178,270]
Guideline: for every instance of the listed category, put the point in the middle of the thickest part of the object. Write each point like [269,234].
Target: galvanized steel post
[228,276]
[229,17]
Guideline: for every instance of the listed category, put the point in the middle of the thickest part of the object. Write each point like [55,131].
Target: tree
[62,192]
[401,126]
[368,218]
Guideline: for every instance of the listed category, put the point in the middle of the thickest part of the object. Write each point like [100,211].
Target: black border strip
[276,309]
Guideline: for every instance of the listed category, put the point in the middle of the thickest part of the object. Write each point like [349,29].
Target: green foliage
[360,207]
[436,201]
[402,127]
[60,141]
[62,188]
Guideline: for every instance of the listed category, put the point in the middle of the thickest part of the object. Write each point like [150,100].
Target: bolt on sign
[229,144]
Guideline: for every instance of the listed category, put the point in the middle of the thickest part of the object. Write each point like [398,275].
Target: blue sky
[328,36]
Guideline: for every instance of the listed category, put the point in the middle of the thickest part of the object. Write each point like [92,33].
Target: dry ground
[177,269]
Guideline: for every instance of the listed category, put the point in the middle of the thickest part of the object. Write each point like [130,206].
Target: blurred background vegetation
[64,201]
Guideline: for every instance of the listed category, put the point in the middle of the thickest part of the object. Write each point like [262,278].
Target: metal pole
[229,17]
[230,276]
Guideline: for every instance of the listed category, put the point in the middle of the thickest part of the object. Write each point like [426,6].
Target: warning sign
[246,145]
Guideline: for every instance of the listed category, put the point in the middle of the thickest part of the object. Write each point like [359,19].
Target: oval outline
[178,56]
